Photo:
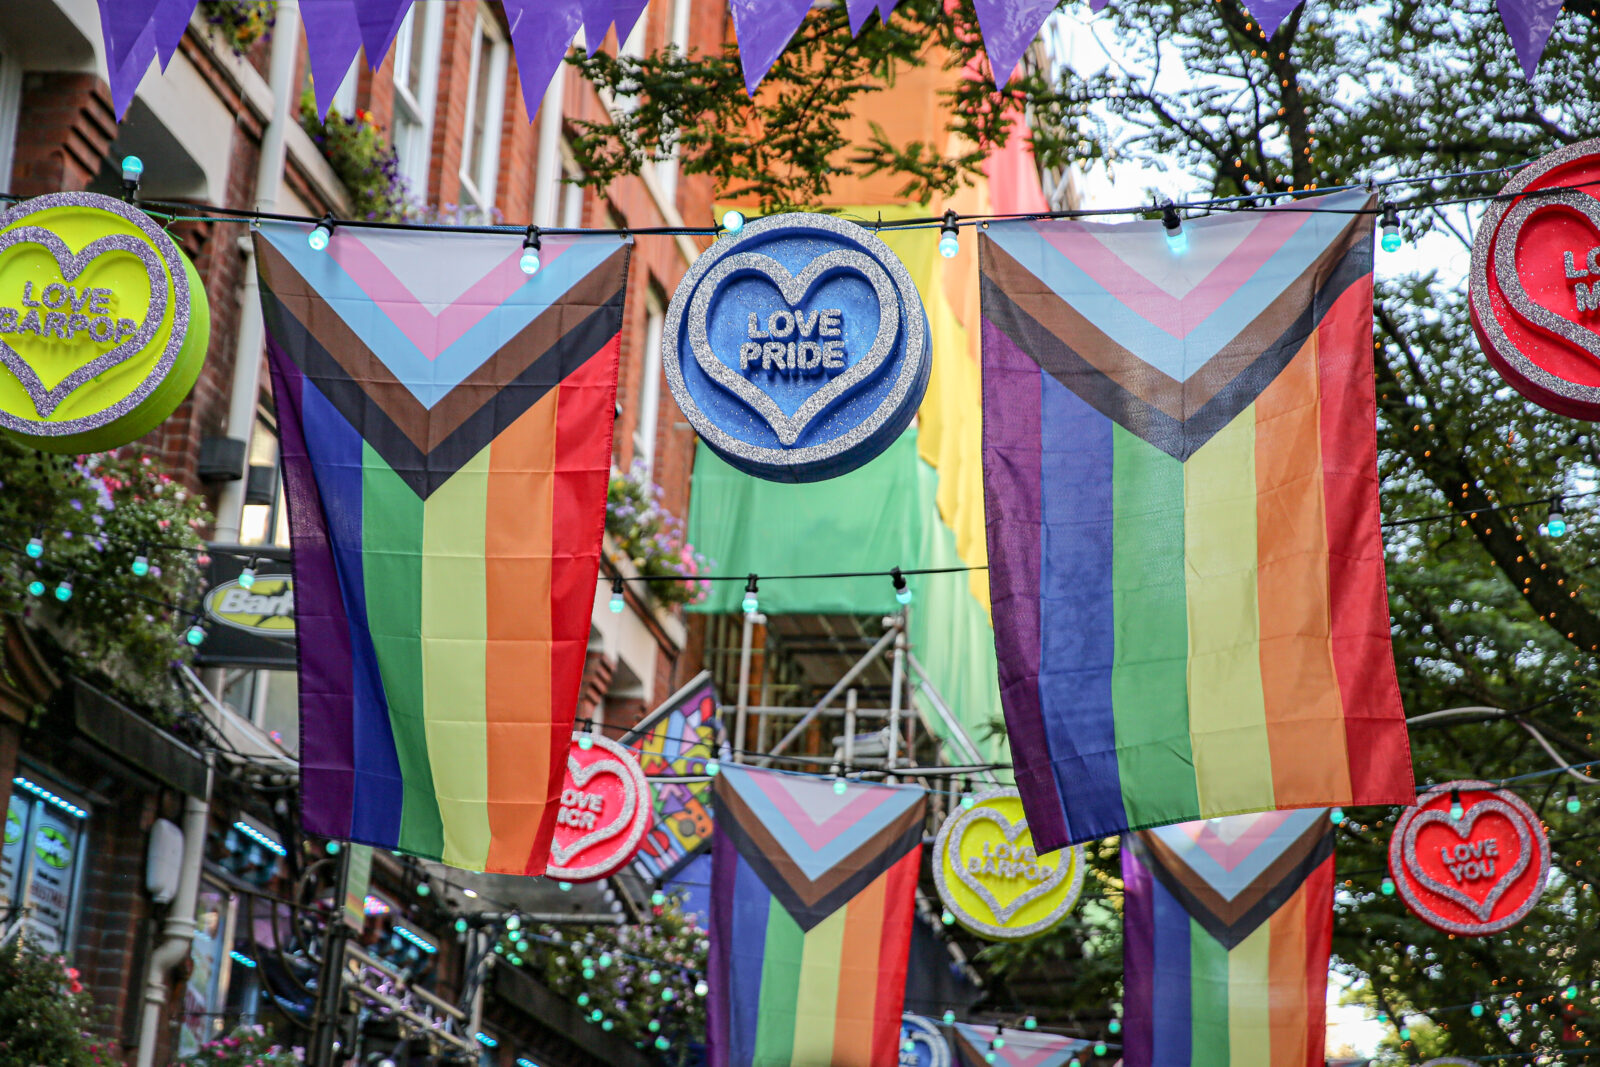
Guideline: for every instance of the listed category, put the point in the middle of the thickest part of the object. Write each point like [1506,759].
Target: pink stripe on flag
[818,835]
[1147,300]
[1231,854]
[431,333]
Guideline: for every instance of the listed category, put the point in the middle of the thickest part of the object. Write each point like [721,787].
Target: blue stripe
[1077,638]
[335,452]
[1178,358]
[1170,1007]
[430,379]
[750,907]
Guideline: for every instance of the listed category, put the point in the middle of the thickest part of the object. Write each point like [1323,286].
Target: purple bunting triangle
[764,28]
[333,37]
[1530,23]
[379,21]
[130,44]
[858,11]
[170,20]
[1271,13]
[626,15]
[597,18]
[1009,26]
[541,32]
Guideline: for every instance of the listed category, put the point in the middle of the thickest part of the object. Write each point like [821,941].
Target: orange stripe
[1286,971]
[1305,716]
[518,566]
[857,1012]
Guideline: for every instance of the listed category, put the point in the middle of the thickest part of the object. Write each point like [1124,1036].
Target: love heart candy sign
[1475,874]
[605,810]
[990,877]
[1535,282]
[798,348]
[103,323]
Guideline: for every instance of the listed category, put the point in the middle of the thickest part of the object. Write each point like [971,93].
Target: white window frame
[644,432]
[417,156]
[667,169]
[480,188]
[10,113]
[569,201]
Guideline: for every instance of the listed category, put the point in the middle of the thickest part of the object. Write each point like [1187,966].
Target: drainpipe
[178,929]
[269,183]
[548,169]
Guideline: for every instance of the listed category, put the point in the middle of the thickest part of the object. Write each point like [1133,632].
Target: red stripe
[1318,893]
[1375,728]
[585,417]
[899,910]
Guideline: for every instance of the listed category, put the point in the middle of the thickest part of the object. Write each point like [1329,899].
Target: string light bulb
[946,918]
[1099,1048]
[530,252]
[713,768]
[662,1043]
[949,236]
[35,549]
[514,922]
[701,989]
[1456,810]
[140,565]
[195,635]
[1030,1023]
[247,577]
[64,590]
[1177,240]
[36,588]
[751,600]
[1555,524]
[839,787]
[949,1017]
[618,601]
[322,233]
[1477,1009]
[1115,1025]
[1336,816]
[1574,805]
[1387,886]
[132,175]
[968,801]
[999,1042]
[585,742]
[658,898]
[902,591]
[1391,229]
[732,221]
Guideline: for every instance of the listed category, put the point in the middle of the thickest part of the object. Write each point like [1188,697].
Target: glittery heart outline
[71,264]
[1510,282]
[794,289]
[1463,827]
[1011,830]
[560,857]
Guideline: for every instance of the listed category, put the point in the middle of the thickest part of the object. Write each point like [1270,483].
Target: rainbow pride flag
[812,898]
[1227,926]
[1181,494]
[445,423]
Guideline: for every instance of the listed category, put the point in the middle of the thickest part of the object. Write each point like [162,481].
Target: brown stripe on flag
[1229,912]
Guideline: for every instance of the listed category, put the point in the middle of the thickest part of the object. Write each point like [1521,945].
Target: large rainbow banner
[445,422]
[1227,926]
[1181,489]
[813,893]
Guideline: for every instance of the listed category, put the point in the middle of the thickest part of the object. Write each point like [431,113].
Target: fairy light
[1387,886]
[269,843]
[1391,228]
[1456,810]
[247,577]
[732,221]
[49,797]
[1177,240]
[140,565]
[195,635]
[322,233]
[35,549]
[1555,525]
[1336,816]
[36,588]
[751,599]
[1574,805]
[64,590]
[949,236]
[902,591]
[618,601]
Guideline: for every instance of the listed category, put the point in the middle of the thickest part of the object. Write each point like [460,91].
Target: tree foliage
[1488,610]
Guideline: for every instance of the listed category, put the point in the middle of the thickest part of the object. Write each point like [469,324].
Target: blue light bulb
[132,168]
[750,603]
[949,244]
[529,262]
[195,635]
[1387,886]
[1556,525]
[141,566]
[618,602]
[732,221]
[64,591]
[1177,242]
[1336,816]
[36,588]
[247,578]
[35,547]
[1391,238]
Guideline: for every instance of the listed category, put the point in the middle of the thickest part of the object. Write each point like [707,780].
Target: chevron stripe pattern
[1020,1048]
[445,423]
[813,893]
[1227,928]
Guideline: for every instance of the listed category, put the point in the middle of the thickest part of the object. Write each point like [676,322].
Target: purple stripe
[327,752]
[1014,511]
[337,463]
[724,867]
[1138,961]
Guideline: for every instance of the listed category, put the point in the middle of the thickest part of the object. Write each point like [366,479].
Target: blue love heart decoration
[798,349]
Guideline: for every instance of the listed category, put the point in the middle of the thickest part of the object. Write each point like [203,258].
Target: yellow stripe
[817,1005]
[1227,711]
[1250,1000]
[454,632]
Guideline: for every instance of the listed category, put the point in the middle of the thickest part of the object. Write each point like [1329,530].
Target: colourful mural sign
[682,738]
[103,323]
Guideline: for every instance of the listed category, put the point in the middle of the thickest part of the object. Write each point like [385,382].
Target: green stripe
[1149,678]
[780,988]
[454,658]
[1208,999]
[391,560]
